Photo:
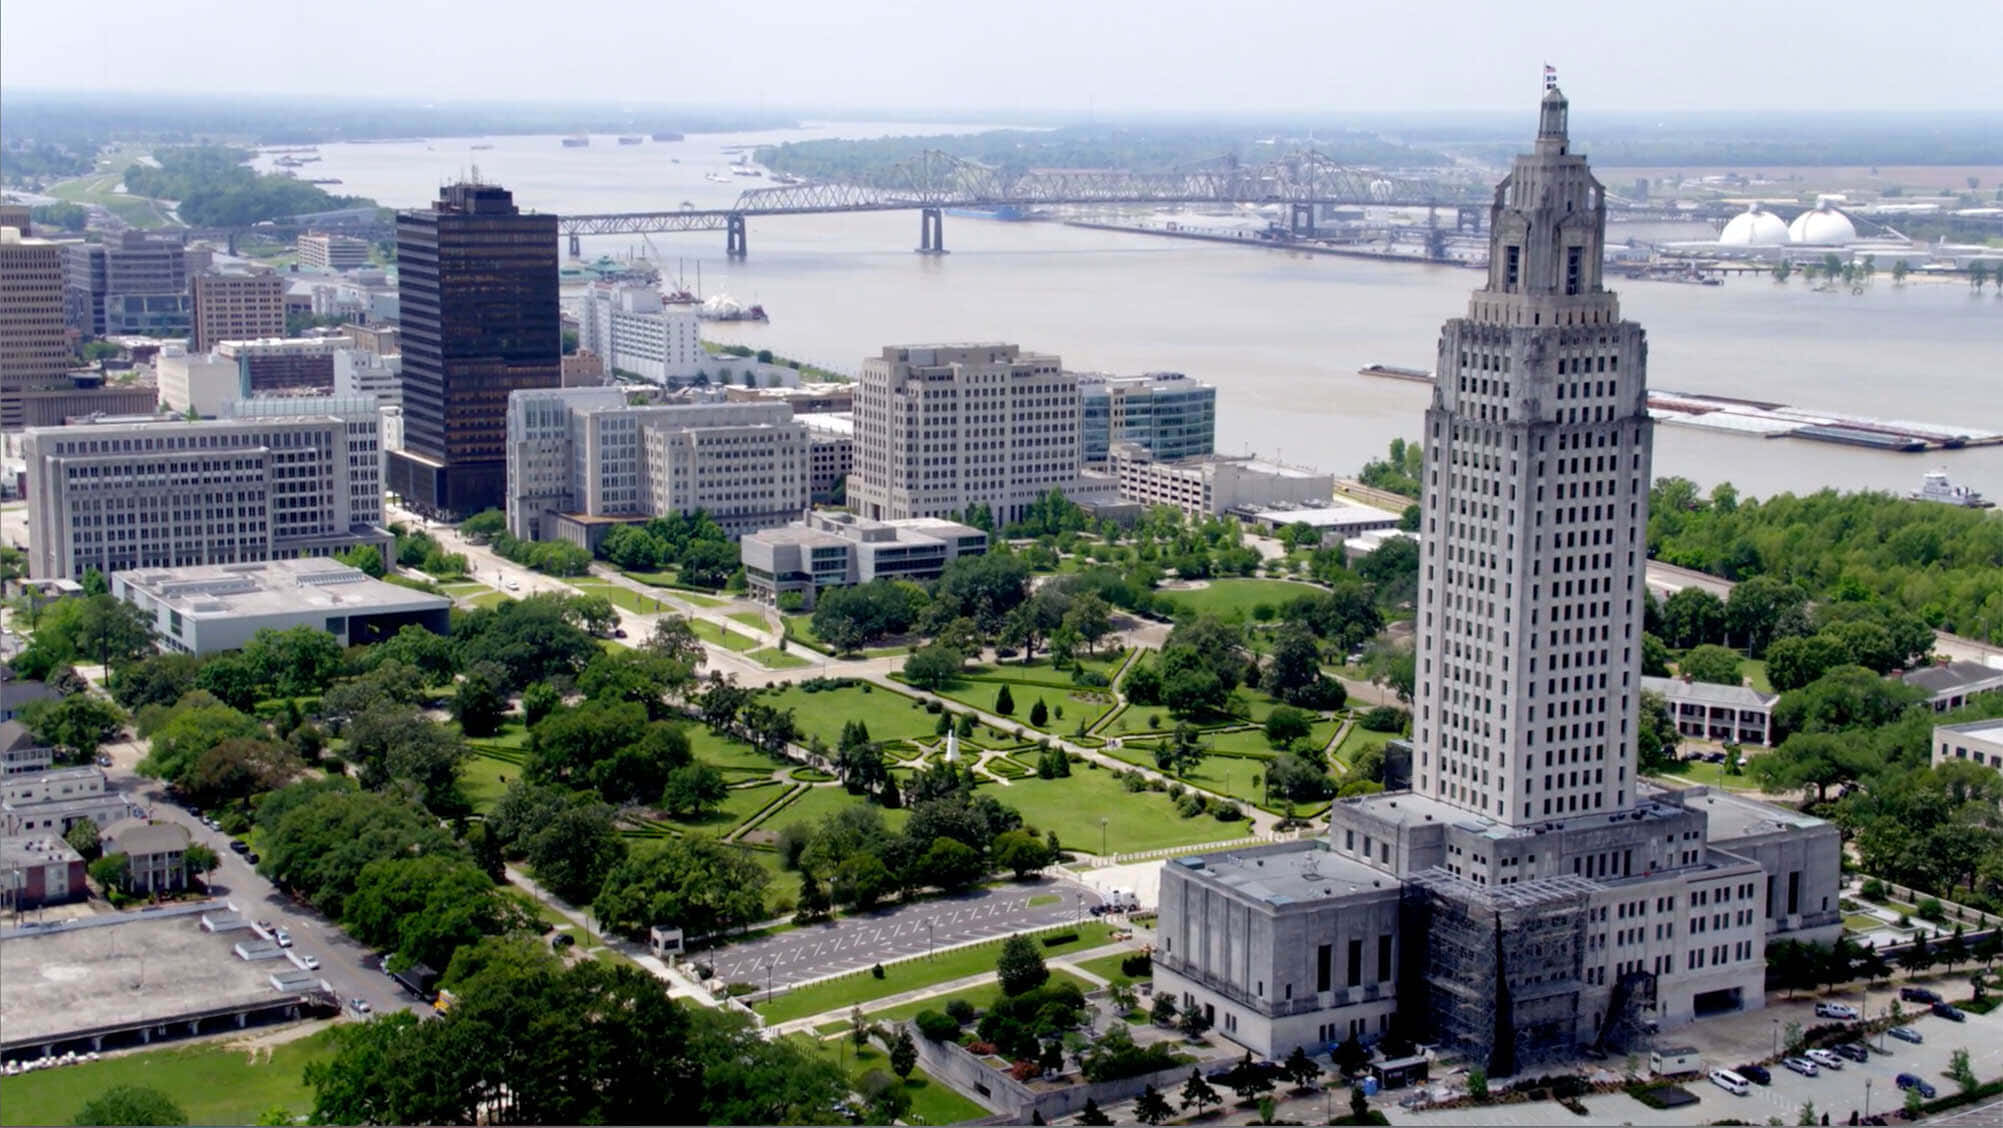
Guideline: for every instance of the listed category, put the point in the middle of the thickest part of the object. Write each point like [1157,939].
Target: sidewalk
[680,986]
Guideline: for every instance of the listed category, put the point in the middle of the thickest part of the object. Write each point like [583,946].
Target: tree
[692,789]
[1301,1069]
[111,871]
[1039,713]
[1954,950]
[1796,662]
[1090,617]
[1350,1056]
[1656,735]
[1296,662]
[484,524]
[1717,665]
[1286,724]
[645,677]
[933,667]
[1004,701]
[83,839]
[366,557]
[1477,1083]
[1655,657]
[575,850]
[903,1054]
[1248,1080]
[1960,1071]
[695,882]
[177,744]
[1193,1023]
[1091,1113]
[481,701]
[1020,852]
[1196,1091]
[200,859]
[76,726]
[1163,1012]
[1691,617]
[131,1104]
[1918,956]
[1763,608]
[238,769]
[1150,1107]
[297,662]
[1020,966]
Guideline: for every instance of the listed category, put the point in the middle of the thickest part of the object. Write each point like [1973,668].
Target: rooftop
[125,968]
[1991,729]
[1735,816]
[1288,873]
[1409,808]
[136,836]
[1708,693]
[275,587]
[1954,675]
[1323,516]
[35,850]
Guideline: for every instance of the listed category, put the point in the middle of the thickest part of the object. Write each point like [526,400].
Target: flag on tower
[1550,77]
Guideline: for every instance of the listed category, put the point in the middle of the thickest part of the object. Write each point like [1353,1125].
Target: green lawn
[820,802]
[1755,671]
[772,658]
[1140,820]
[910,975]
[932,1101]
[727,752]
[1713,775]
[889,714]
[1253,742]
[464,588]
[212,1084]
[982,997]
[722,636]
[1233,599]
[1360,740]
[624,596]
[480,778]
[1862,922]
[980,693]
[1224,775]
[753,619]
[490,599]
[740,804]
[1106,967]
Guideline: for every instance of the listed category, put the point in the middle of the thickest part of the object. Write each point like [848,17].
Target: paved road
[345,964]
[856,942]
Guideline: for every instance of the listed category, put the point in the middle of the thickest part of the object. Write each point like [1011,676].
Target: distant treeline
[79,120]
[216,189]
[1141,149]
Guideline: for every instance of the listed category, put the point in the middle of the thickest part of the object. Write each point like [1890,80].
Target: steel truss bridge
[934,181]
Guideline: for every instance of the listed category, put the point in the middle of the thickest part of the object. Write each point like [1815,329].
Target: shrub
[1873,890]
[1055,939]
[876,972]
[936,1026]
[960,1011]
[1929,909]
[1137,966]
[1384,718]
[1227,812]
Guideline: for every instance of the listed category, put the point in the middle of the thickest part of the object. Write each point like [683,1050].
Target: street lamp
[768,982]
[928,936]
[1776,1035]
[1102,837]
[1867,1098]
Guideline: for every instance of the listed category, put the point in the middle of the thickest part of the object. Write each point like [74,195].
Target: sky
[1071,56]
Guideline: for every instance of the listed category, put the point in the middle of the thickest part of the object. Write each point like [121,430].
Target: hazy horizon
[1035,59]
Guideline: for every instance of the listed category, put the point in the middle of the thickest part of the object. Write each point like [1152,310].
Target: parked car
[1730,1082]
[359,1005]
[104,761]
[1824,1058]
[513,586]
[1757,1074]
[1802,1066]
[1909,1081]
[239,845]
[311,961]
[1835,1010]
[1854,1052]
[1919,995]
[1950,1013]
[618,632]
[283,937]
[1907,1034]
[251,857]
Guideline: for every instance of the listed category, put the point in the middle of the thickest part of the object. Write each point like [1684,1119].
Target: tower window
[1573,261]
[1513,268]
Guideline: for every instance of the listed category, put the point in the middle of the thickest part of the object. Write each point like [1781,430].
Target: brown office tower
[34,351]
[480,320]
[236,307]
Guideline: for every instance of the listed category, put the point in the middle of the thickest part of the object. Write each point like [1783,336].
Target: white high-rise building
[581,460]
[632,330]
[304,480]
[1526,895]
[940,428]
[1538,447]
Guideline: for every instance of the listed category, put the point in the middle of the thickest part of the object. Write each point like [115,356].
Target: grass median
[213,1083]
[913,975]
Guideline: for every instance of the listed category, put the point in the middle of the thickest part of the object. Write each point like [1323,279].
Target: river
[1281,334]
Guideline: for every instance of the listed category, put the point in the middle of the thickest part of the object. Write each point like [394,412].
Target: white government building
[631,329]
[206,608]
[583,460]
[1528,894]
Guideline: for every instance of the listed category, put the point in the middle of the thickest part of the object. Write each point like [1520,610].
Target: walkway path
[680,986]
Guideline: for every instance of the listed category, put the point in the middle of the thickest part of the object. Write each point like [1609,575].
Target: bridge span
[935,181]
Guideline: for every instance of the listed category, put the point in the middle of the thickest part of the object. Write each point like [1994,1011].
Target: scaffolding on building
[1501,970]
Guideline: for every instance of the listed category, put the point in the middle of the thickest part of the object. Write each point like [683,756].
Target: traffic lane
[852,943]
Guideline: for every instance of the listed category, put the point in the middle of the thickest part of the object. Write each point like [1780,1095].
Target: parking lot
[1733,1039]
[905,930]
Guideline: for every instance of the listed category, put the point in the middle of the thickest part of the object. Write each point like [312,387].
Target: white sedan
[1825,1059]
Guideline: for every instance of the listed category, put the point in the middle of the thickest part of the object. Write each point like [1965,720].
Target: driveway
[853,943]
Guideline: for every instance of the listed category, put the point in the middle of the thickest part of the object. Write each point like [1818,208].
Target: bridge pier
[1467,219]
[1300,220]
[931,231]
[734,242]
[576,247]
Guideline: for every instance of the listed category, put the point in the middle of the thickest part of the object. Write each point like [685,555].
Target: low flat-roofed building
[1737,714]
[1949,685]
[53,783]
[1334,522]
[808,399]
[57,816]
[116,980]
[38,870]
[155,853]
[212,607]
[1978,741]
[1212,484]
[831,549]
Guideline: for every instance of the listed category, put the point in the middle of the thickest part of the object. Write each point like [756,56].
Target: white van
[1730,1082]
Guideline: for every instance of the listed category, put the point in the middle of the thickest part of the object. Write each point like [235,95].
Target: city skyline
[1707,55]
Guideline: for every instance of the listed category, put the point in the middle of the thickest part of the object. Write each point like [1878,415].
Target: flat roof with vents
[276,586]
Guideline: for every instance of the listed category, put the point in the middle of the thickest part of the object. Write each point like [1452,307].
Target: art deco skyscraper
[1538,447]
[478,306]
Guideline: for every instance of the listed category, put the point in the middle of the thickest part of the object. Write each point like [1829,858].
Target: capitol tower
[1535,515]
[1528,895]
